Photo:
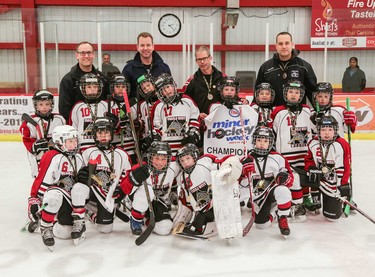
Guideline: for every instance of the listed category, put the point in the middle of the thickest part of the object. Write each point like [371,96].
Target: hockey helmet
[295,85]
[62,133]
[43,95]
[263,132]
[323,87]
[159,148]
[166,88]
[229,81]
[120,81]
[264,87]
[88,80]
[149,91]
[188,149]
[327,121]
[103,124]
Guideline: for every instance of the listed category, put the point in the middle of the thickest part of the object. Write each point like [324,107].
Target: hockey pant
[139,201]
[163,218]
[279,198]
[332,208]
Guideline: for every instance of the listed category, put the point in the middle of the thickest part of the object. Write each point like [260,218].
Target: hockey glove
[83,175]
[315,175]
[228,104]
[113,118]
[39,146]
[345,189]
[247,166]
[282,178]
[192,137]
[33,208]
[315,117]
[138,175]
[350,119]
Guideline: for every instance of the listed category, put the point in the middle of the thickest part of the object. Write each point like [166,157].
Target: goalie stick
[178,230]
[146,233]
[248,226]
[29,119]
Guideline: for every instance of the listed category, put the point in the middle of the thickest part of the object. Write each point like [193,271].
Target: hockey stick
[142,238]
[328,191]
[30,120]
[347,207]
[248,226]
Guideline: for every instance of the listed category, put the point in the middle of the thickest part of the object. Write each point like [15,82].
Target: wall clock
[169,25]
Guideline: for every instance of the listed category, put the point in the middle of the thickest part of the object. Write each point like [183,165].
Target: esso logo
[234,113]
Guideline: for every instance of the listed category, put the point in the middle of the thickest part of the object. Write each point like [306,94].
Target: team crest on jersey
[299,137]
[202,194]
[294,74]
[87,125]
[175,126]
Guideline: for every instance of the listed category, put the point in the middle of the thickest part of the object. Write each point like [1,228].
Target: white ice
[314,248]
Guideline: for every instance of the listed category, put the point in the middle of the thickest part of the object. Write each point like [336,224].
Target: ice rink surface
[315,248]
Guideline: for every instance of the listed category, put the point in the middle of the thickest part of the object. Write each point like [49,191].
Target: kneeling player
[53,185]
[270,176]
[328,165]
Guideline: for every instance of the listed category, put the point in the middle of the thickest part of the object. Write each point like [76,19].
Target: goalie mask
[159,156]
[264,95]
[146,86]
[43,103]
[166,89]
[187,157]
[229,88]
[263,140]
[327,128]
[293,92]
[323,96]
[91,87]
[65,139]
[103,133]
[118,85]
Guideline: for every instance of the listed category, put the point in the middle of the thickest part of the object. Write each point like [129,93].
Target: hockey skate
[33,226]
[283,225]
[312,204]
[47,237]
[136,226]
[79,230]
[297,214]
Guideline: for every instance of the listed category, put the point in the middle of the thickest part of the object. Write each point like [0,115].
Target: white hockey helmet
[59,136]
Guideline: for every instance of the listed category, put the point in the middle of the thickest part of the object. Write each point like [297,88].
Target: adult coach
[70,92]
[286,65]
[145,61]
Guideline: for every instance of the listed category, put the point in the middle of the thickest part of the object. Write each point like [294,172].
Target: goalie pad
[230,170]
[183,215]
[226,204]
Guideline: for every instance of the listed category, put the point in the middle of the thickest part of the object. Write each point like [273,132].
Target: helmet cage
[293,84]
[327,121]
[103,124]
[159,148]
[260,133]
[160,83]
[229,82]
[143,79]
[119,79]
[188,149]
[323,87]
[43,95]
[260,87]
[90,79]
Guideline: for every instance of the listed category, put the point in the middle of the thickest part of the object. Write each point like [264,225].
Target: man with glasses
[146,61]
[202,87]
[69,92]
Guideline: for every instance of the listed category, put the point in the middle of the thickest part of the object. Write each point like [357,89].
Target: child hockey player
[53,185]
[123,134]
[328,164]
[158,174]
[195,209]
[292,126]
[112,164]
[174,116]
[270,176]
[84,113]
[228,122]
[36,138]
[323,97]
[263,105]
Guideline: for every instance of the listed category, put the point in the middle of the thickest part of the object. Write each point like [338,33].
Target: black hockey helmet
[188,149]
[229,81]
[158,148]
[323,87]
[119,80]
[264,87]
[43,95]
[293,84]
[149,92]
[87,80]
[59,136]
[102,124]
[263,132]
[165,80]
[327,121]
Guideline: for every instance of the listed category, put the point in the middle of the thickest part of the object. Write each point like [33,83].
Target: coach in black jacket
[286,65]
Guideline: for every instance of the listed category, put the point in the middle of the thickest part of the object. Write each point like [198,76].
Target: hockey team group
[142,160]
